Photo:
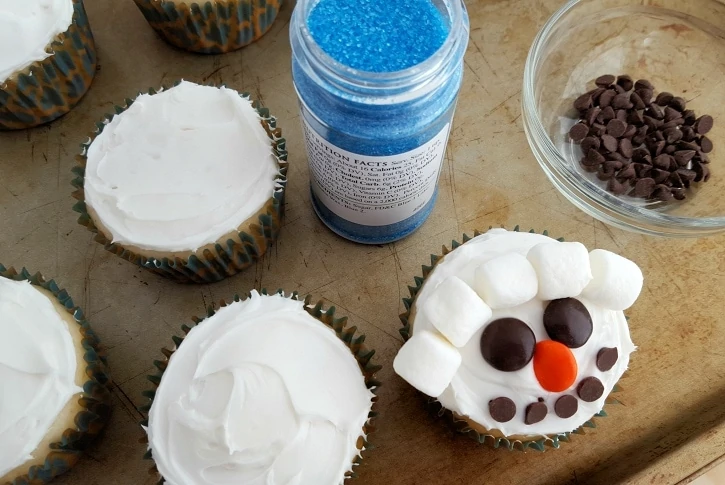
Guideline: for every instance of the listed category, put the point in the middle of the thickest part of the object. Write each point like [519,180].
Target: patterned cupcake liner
[205,266]
[212,27]
[50,88]
[461,424]
[362,354]
[95,400]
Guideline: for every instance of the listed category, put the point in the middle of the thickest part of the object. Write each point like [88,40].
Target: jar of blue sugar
[377,82]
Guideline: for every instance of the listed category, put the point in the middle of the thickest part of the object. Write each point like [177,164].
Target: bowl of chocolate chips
[624,108]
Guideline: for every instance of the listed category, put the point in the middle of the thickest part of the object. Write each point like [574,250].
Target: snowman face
[509,345]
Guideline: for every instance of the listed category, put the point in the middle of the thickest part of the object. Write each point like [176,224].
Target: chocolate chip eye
[568,321]
[508,344]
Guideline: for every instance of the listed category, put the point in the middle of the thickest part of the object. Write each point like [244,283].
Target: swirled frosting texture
[476,382]
[27,27]
[180,169]
[37,370]
[261,393]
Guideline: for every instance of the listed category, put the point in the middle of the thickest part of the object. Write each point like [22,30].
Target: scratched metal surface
[671,423]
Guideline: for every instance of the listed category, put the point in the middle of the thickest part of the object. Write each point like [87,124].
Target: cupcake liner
[212,27]
[462,424]
[95,401]
[50,88]
[347,334]
[205,265]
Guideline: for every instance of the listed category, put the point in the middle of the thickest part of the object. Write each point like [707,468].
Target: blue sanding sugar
[378,35]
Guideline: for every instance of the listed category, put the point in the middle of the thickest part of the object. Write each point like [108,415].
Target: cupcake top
[180,169]
[27,28]
[261,393]
[37,370]
[522,333]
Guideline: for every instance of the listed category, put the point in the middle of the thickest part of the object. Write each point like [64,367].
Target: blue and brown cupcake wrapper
[50,88]
[459,423]
[346,334]
[95,400]
[205,266]
[212,27]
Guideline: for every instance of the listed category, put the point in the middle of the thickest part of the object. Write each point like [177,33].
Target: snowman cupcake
[520,338]
[47,60]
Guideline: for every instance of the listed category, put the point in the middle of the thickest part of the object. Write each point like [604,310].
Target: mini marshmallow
[506,281]
[427,362]
[456,310]
[562,269]
[617,281]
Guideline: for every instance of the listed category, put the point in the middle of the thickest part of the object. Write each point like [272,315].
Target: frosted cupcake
[47,60]
[520,338]
[53,400]
[266,390]
[210,27]
[187,182]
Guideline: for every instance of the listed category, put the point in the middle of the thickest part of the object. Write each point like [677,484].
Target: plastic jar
[376,140]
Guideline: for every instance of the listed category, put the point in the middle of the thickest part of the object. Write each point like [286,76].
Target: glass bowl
[679,45]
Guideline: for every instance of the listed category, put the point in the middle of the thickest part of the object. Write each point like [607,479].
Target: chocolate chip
[645,94]
[597,129]
[592,114]
[643,84]
[672,135]
[656,112]
[567,321]
[606,171]
[678,103]
[535,412]
[619,89]
[702,157]
[605,81]
[670,149]
[637,101]
[688,145]
[706,144]
[636,117]
[625,147]
[644,187]
[689,116]
[578,132]
[664,98]
[593,158]
[607,114]
[683,157]
[658,136]
[652,123]
[702,172]
[659,175]
[671,114]
[662,162]
[703,125]
[626,82]
[679,194]
[627,173]
[595,93]
[663,193]
[508,344]
[583,102]
[609,143]
[590,142]
[502,409]
[606,98]
[621,101]
[616,128]
[590,389]
[631,131]
[675,180]
[616,187]
[640,154]
[606,358]
[686,175]
[621,160]
[622,115]
[672,124]
[566,406]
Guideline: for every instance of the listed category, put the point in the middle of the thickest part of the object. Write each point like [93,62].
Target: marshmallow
[506,281]
[617,281]
[456,310]
[427,362]
[562,269]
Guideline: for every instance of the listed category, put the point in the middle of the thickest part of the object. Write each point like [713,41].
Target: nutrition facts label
[374,191]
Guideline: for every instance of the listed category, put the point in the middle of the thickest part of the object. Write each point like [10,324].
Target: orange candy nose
[554,365]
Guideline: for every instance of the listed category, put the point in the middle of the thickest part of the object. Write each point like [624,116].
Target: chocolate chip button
[616,127]
[703,125]
[606,358]
[502,409]
[507,344]
[610,143]
[535,412]
[578,132]
[566,406]
[706,145]
[605,81]
[590,389]
[568,321]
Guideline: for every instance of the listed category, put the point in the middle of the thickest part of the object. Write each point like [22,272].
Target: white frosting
[27,28]
[37,370]
[259,394]
[477,382]
[180,169]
